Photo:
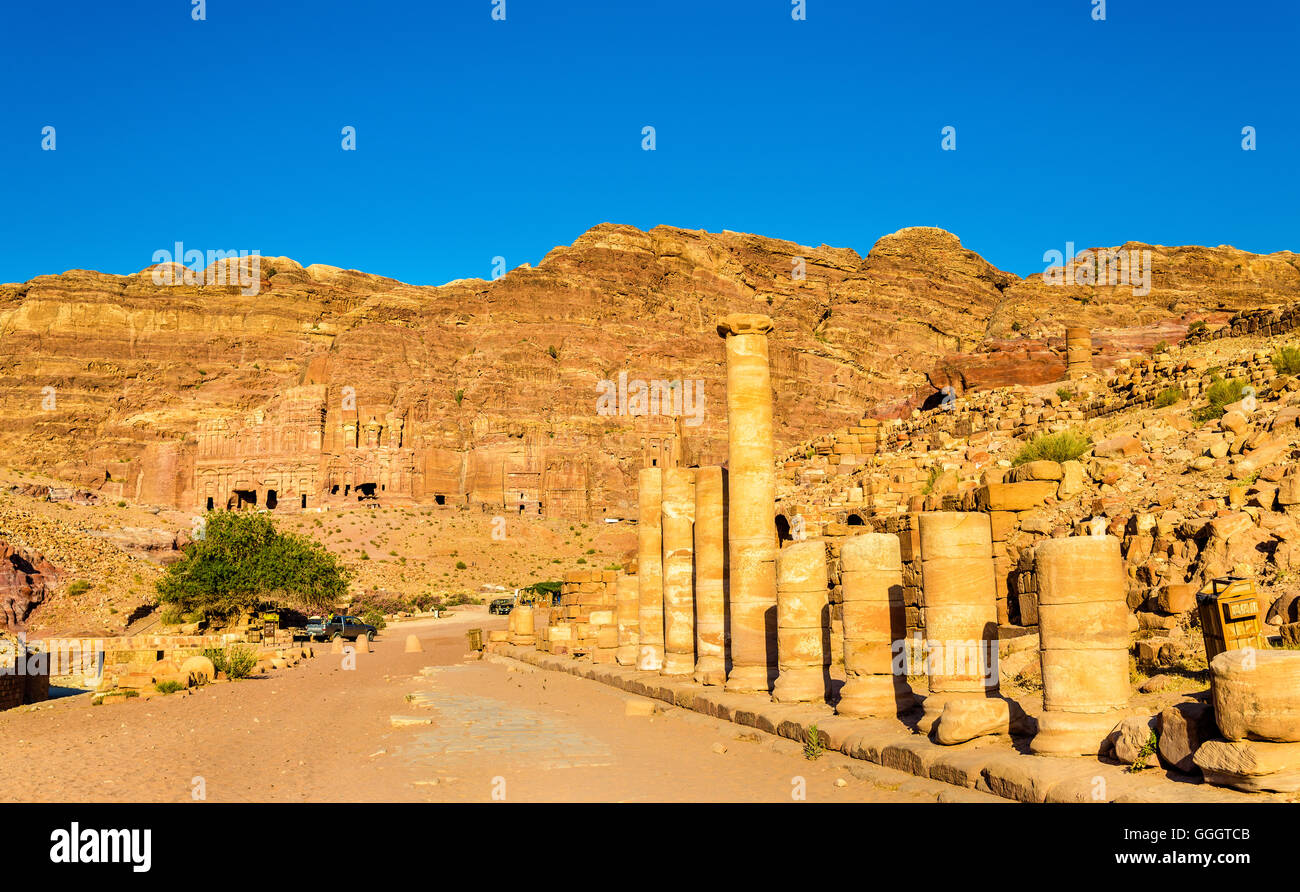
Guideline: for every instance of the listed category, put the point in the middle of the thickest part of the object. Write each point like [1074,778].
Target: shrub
[240,662]
[1168,397]
[1161,347]
[812,743]
[79,587]
[1286,361]
[168,687]
[171,616]
[461,565]
[1219,394]
[1064,393]
[1015,326]
[931,479]
[243,561]
[374,618]
[1197,326]
[1059,447]
[237,662]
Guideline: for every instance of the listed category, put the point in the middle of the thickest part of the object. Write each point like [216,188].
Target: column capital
[744,323]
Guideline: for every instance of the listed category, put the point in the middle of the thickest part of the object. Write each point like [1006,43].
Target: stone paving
[987,765]
[466,726]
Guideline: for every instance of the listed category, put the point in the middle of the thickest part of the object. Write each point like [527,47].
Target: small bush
[236,662]
[1220,394]
[931,479]
[1059,447]
[80,587]
[1168,397]
[240,661]
[1064,393]
[1161,347]
[171,616]
[1015,326]
[1197,326]
[1148,750]
[812,746]
[168,687]
[374,618]
[1286,361]
[461,565]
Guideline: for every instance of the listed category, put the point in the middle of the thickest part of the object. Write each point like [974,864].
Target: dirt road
[437,726]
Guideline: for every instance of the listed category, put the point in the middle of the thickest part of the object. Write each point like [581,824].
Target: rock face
[333,386]
[24,580]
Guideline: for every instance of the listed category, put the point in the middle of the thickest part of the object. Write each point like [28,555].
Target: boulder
[966,718]
[1183,728]
[1072,480]
[1257,694]
[1234,422]
[199,670]
[1177,597]
[1038,470]
[1250,765]
[1288,490]
[1016,496]
[1122,446]
[1131,736]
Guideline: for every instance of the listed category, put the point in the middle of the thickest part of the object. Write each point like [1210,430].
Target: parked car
[329,628]
[500,606]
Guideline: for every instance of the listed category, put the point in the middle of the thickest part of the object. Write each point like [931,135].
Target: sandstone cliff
[336,385]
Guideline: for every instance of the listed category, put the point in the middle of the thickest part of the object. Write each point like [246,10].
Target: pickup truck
[329,628]
[501,606]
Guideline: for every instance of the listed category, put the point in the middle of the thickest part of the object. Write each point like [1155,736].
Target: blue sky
[478,138]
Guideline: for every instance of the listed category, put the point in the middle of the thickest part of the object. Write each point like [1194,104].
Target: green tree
[243,561]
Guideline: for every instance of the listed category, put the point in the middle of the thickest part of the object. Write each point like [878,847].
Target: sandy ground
[321,732]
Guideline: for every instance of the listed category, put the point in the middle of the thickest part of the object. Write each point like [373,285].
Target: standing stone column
[1083,643]
[522,632]
[959,609]
[875,616]
[710,576]
[650,571]
[679,571]
[627,607]
[803,624]
[1078,351]
[751,504]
